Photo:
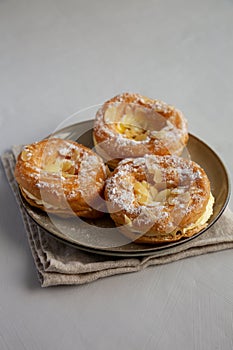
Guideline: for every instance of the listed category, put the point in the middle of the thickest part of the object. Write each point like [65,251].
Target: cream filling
[200,221]
[205,216]
[39,201]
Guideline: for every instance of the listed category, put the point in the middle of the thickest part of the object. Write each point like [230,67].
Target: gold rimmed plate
[95,235]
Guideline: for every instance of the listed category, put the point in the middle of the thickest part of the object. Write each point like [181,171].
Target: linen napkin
[61,264]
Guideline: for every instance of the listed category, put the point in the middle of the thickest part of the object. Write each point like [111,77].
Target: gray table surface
[57,57]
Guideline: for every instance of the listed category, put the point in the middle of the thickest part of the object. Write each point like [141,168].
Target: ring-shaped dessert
[158,199]
[61,177]
[131,125]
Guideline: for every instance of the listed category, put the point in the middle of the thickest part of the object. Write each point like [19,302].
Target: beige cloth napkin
[60,264]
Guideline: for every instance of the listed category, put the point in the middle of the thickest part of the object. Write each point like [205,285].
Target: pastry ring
[130,125]
[61,177]
[158,199]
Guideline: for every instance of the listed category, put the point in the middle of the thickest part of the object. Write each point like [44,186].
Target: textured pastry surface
[131,125]
[158,199]
[61,177]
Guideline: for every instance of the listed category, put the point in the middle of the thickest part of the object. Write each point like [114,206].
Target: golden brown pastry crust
[163,127]
[185,190]
[61,177]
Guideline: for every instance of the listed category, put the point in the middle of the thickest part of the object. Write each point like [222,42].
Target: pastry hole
[141,191]
[135,121]
[52,167]
[146,193]
[68,167]
[128,120]
[163,195]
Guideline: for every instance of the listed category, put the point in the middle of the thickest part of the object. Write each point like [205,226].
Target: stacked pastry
[153,194]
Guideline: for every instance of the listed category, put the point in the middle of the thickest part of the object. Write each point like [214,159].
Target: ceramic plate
[96,235]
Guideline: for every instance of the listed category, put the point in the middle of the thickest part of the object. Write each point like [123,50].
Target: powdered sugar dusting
[59,167]
[171,138]
[184,177]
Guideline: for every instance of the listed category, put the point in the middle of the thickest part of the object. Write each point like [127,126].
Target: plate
[95,235]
